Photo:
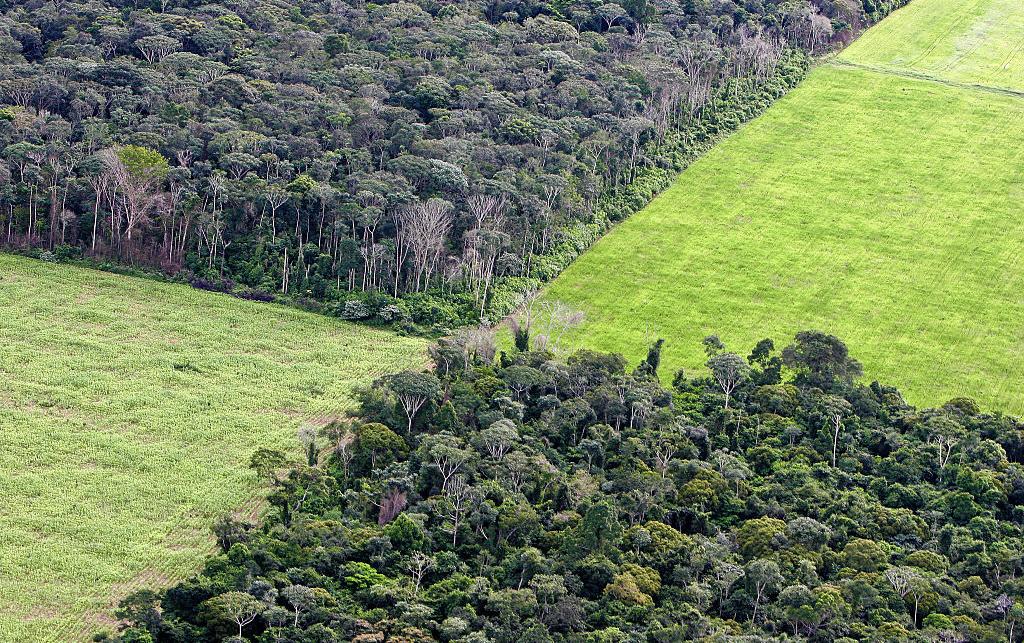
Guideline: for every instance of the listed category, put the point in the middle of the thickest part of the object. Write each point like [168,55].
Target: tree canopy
[540,499]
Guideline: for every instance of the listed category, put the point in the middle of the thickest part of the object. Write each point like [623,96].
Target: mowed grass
[128,412]
[880,208]
[967,41]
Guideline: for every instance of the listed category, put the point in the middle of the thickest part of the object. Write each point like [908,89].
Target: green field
[879,207]
[965,41]
[128,411]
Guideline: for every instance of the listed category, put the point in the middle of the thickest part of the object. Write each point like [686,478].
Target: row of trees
[526,498]
[351,152]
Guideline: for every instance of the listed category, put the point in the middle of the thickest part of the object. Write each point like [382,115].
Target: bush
[354,309]
[254,294]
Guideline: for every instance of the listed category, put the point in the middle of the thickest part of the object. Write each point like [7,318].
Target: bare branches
[555,319]
[425,227]
[419,564]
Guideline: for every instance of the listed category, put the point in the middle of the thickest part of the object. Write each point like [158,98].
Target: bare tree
[344,444]
[484,242]
[455,504]
[664,451]
[275,198]
[393,503]
[136,191]
[904,581]
[425,228]
[945,434]
[100,184]
[835,409]
[726,575]
[419,564]
[556,318]
[522,323]
[479,344]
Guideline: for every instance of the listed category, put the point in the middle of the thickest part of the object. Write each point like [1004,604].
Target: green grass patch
[880,208]
[966,41]
[128,411]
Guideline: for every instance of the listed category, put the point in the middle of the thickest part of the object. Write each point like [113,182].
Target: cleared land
[128,411]
[965,41]
[881,208]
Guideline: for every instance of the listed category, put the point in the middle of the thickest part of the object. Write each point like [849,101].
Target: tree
[758,537]
[378,445]
[762,576]
[155,48]
[797,603]
[301,598]
[344,443]
[835,409]
[611,13]
[864,555]
[138,173]
[413,390]
[769,365]
[821,360]
[419,564]
[945,433]
[498,439]
[267,462]
[905,580]
[276,197]
[729,370]
[522,378]
[307,437]
[653,359]
[624,588]
[141,607]
[239,608]
[424,227]
[600,528]
[726,574]
[447,454]
[454,504]
[556,318]
[712,345]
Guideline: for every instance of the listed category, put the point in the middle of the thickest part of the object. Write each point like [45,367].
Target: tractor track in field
[915,75]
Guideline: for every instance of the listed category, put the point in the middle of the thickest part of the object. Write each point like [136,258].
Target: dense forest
[420,163]
[520,497]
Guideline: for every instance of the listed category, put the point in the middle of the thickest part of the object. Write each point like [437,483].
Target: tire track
[916,75]
[942,37]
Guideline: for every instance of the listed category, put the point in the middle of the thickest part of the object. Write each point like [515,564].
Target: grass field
[882,208]
[128,411]
[965,41]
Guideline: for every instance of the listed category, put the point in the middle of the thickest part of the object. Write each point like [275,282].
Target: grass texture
[978,42]
[882,208]
[128,411]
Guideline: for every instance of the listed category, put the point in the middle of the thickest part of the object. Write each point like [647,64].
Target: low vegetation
[127,411]
[874,206]
[536,499]
[977,43]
